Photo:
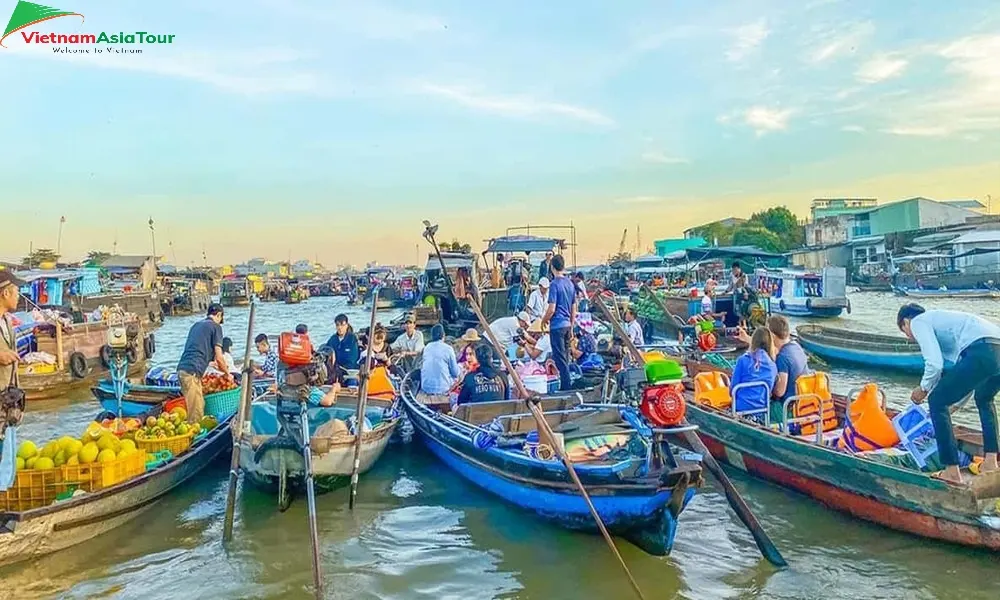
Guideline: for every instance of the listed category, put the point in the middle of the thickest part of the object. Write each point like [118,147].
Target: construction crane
[621,246]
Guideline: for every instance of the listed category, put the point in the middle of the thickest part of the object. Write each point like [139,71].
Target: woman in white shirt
[230,366]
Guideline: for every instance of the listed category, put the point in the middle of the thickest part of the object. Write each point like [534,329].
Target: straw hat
[535,327]
[471,335]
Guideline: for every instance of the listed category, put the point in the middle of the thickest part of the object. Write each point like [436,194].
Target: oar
[246,391]
[363,375]
[544,430]
[764,542]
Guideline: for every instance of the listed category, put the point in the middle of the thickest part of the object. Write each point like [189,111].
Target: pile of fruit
[104,448]
[169,425]
[214,383]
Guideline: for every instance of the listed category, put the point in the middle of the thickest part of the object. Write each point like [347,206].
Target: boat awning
[866,240]
[36,274]
[450,262]
[524,243]
[729,252]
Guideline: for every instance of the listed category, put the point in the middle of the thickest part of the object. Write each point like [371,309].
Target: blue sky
[330,129]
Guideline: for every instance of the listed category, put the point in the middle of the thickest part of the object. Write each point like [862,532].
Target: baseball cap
[524,316]
[8,278]
[215,309]
[410,318]
[543,282]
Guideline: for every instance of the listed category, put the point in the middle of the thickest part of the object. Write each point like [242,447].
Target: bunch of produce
[214,383]
[106,447]
[646,307]
[168,425]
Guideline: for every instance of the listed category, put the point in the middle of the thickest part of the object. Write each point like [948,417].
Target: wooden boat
[964,294]
[33,533]
[235,291]
[639,496]
[801,293]
[82,359]
[142,398]
[182,297]
[893,496]
[864,349]
[267,457]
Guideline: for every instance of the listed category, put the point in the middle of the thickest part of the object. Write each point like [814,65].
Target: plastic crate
[176,444]
[96,476]
[158,459]
[222,404]
[916,433]
[33,488]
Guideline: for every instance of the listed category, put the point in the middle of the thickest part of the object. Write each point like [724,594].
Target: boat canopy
[712,252]
[524,243]
[452,260]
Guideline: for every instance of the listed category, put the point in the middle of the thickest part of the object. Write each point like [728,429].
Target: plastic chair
[812,394]
[711,388]
[914,425]
[766,411]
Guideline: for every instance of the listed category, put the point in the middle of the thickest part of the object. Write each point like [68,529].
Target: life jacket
[379,383]
[867,426]
[816,389]
[712,389]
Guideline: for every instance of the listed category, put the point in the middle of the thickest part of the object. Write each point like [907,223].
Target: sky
[329,130]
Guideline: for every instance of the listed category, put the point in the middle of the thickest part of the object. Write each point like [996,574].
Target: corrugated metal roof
[524,243]
[977,237]
[125,262]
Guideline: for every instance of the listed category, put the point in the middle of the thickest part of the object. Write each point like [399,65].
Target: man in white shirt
[633,328]
[538,301]
[505,328]
[409,344]
[972,345]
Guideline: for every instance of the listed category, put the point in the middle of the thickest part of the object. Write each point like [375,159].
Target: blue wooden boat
[639,489]
[140,398]
[864,349]
[802,293]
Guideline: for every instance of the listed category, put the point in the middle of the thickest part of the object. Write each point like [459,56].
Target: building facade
[832,207]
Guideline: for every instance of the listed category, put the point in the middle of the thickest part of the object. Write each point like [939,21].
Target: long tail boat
[859,348]
[894,496]
[28,534]
[639,489]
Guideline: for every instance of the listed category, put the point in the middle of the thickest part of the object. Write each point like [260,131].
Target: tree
[715,233]
[762,238]
[96,257]
[781,222]
[455,246]
[39,256]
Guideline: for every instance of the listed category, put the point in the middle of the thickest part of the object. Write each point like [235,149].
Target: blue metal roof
[524,243]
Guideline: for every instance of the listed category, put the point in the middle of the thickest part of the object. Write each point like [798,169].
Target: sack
[12,403]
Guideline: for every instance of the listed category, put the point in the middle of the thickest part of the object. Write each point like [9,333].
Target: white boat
[805,293]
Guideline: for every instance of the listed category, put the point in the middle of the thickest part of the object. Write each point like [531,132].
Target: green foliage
[39,256]
[715,233]
[781,222]
[774,230]
[455,246]
[96,257]
[749,235]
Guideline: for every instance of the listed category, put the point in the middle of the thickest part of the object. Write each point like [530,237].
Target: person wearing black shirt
[203,345]
[486,384]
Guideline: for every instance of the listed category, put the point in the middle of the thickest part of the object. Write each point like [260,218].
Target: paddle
[544,430]
[234,465]
[363,375]
[764,542]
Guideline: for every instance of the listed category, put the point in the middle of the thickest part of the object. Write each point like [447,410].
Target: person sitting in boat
[465,347]
[583,345]
[269,367]
[538,301]
[486,384]
[381,350]
[301,329]
[633,328]
[972,345]
[756,365]
[538,344]
[229,365]
[409,344]
[439,369]
[791,361]
[344,351]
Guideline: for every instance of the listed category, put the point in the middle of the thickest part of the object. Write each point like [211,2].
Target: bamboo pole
[234,466]
[364,376]
[60,359]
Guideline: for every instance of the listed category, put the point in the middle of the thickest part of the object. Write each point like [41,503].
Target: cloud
[640,200]
[513,106]
[881,68]
[919,131]
[663,159]
[761,119]
[853,128]
[747,38]
[836,42]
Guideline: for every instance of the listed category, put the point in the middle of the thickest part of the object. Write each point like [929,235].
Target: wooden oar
[545,431]
[364,376]
[764,542]
[246,391]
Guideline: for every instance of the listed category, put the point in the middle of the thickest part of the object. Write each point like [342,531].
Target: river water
[419,531]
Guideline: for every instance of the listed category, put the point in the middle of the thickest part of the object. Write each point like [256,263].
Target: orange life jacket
[379,383]
[816,389]
[867,426]
[712,388]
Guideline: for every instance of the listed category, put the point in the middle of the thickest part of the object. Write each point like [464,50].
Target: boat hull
[54,385]
[30,534]
[897,498]
[965,294]
[643,511]
[878,352]
[820,308]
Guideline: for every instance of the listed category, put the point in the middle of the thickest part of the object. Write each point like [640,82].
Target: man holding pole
[560,316]
[203,345]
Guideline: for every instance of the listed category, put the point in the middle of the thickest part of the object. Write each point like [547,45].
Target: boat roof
[729,252]
[56,274]
[452,260]
[524,243]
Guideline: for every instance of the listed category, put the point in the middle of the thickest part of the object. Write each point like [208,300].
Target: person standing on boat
[560,318]
[972,345]
[582,302]
[439,369]
[9,286]
[633,328]
[203,345]
[538,300]
[545,268]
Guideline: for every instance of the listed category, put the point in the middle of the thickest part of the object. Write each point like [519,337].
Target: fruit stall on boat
[71,490]
[57,358]
[852,454]
[235,291]
[80,293]
[639,483]
[140,396]
[804,293]
[869,350]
